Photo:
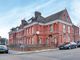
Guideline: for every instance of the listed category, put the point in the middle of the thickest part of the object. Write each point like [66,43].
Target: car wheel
[6,52]
[59,48]
[76,47]
[69,47]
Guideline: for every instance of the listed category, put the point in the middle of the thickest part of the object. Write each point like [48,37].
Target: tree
[3,41]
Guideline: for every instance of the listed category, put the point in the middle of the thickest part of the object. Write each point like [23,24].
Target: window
[32,41]
[66,16]
[64,28]
[47,41]
[51,28]
[27,31]
[32,30]
[40,40]
[68,29]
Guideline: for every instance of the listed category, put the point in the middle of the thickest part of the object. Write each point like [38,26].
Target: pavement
[28,52]
[49,54]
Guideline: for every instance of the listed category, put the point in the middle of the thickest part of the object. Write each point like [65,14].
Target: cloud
[13,18]
[75,11]
[44,4]
[51,7]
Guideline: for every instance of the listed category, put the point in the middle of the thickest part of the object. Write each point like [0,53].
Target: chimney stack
[24,22]
[37,14]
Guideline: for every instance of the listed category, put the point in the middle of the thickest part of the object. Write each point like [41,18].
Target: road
[73,54]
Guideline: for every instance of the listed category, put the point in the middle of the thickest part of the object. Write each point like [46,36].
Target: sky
[12,11]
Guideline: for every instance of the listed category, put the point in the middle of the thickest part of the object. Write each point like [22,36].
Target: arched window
[64,28]
[51,28]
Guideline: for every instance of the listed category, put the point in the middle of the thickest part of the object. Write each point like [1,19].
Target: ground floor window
[47,41]
[40,40]
[32,40]
[68,38]
[64,36]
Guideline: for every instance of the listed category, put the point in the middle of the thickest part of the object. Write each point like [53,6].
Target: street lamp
[37,32]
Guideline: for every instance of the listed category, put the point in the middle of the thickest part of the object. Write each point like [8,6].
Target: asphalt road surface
[73,54]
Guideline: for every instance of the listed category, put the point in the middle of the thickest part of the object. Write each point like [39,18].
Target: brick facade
[50,31]
[76,33]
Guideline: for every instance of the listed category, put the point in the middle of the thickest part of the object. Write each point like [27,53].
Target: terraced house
[53,30]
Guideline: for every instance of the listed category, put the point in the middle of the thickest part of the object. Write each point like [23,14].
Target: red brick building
[76,33]
[50,31]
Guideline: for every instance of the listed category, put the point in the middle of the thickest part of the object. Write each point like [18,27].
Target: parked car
[78,43]
[69,45]
[4,48]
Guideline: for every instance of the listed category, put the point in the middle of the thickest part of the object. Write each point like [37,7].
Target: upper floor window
[68,29]
[67,18]
[51,28]
[32,30]
[27,31]
[64,28]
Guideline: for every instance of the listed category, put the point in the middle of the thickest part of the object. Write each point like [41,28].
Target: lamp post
[37,33]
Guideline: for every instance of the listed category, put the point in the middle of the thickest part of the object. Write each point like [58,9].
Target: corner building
[53,30]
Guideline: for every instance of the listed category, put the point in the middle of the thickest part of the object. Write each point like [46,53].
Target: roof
[56,16]
[74,26]
[39,18]
[52,17]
